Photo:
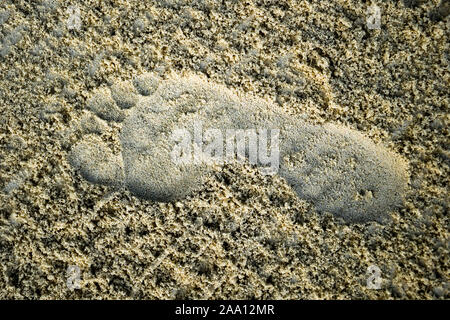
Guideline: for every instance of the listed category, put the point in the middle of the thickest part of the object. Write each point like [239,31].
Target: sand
[240,234]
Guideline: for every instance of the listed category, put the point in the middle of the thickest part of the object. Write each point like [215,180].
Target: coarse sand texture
[210,149]
[336,168]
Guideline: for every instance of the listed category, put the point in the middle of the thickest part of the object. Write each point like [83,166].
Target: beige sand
[244,235]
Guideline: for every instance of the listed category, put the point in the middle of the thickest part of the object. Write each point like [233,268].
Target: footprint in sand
[336,168]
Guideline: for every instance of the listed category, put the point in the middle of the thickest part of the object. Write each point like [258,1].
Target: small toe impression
[96,162]
[146,83]
[104,106]
[93,124]
[124,94]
